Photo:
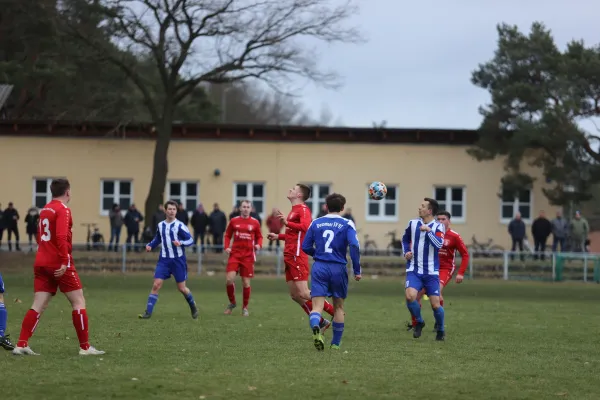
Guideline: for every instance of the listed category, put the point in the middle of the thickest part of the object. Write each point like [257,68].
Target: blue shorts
[171,266]
[329,280]
[1,284]
[431,283]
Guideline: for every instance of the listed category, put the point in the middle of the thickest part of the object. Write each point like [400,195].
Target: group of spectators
[9,223]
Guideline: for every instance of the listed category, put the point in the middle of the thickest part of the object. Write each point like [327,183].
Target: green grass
[505,340]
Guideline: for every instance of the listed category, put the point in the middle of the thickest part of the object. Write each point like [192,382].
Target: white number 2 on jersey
[45,230]
[329,235]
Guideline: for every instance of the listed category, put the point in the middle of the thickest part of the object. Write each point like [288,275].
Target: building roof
[229,132]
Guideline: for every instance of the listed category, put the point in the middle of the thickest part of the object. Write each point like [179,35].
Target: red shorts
[296,268]
[45,281]
[445,276]
[244,267]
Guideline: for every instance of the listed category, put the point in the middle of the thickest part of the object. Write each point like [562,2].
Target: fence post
[585,267]
[279,255]
[200,249]
[471,265]
[123,258]
[554,266]
[505,265]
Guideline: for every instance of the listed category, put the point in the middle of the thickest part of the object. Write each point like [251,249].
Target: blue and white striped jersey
[424,246]
[167,233]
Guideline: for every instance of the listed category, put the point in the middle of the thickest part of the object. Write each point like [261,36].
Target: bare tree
[217,41]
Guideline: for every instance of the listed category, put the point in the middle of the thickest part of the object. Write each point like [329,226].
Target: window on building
[511,204]
[452,199]
[115,191]
[253,191]
[184,192]
[41,192]
[385,209]
[317,198]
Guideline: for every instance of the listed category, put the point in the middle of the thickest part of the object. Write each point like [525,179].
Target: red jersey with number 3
[54,236]
[452,243]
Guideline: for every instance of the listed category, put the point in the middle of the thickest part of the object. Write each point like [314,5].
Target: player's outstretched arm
[308,245]
[63,216]
[156,241]
[436,238]
[305,221]
[185,237]
[406,239]
[464,255]
[354,250]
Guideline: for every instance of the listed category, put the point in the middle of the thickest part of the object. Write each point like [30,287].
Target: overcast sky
[415,70]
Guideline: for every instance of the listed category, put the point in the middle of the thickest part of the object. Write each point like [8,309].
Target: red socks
[231,293]
[28,326]
[307,307]
[247,291]
[80,322]
[327,307]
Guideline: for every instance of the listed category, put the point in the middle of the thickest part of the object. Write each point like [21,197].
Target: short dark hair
[434,206]
[171,203]
[59,187]
[335,202]
[305,191]
[446,213]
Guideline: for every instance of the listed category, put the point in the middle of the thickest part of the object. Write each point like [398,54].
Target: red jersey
[54,236]
[298,221]
[245,233]
[452,243]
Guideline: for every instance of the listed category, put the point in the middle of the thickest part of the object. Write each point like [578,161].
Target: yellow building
[107,165]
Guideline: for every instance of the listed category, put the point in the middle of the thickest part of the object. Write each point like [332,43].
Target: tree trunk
[159,171]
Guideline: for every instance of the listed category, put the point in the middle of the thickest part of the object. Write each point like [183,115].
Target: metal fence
[210,260]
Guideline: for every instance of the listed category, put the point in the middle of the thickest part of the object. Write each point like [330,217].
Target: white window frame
[314,188]
[116,195]
[249,190]
[449,203]
[515,204]
[382,217]
[184,197]
[35,193]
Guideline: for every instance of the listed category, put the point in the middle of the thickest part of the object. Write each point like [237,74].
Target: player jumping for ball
[54,269]
[173,236]
[242,239]
[421,242]
[296,261]
[327,241]
[452,243]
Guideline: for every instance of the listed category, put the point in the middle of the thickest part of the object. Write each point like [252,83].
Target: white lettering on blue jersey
[166,234]
[424,246]
[328,238]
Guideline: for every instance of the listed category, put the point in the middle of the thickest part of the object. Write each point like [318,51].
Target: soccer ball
[377,190]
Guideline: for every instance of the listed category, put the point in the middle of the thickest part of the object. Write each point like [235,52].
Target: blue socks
[415,310]
[152,299]
[190,299]
[338,331]
[3,318]
[314,320]
[439,318]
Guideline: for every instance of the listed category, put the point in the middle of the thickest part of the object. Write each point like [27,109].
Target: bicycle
[479,249]
[368,246]
[94,239]
[395,245]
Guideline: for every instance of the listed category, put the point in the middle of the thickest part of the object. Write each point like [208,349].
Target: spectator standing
[199,224]
[274,224]
[116,225]
[255,215]
[11,218]
[31,225]
[516,230]
[348,215]
[541,230]
[580,230]
[217,223]
[323,211]
[560,229]
[158,217]
[235,212]
[182,215]
[132,223]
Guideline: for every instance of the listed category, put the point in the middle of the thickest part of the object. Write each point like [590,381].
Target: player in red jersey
[297,270]
[452,243]
[54,269]
[243,239]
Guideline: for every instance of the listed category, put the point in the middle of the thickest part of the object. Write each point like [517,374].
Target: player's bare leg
[81,324]
[187,293]
[30,322]
[246,292]
[315,322]
[413,321]
[413,306]
[338,323]
[5,342]
[438,313]
[230,283]
[300,293]
[152,298]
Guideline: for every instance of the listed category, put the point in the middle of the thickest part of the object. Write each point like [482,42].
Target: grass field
[505,340]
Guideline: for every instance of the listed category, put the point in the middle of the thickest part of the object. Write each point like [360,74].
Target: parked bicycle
[395,246]
[94,239]
[480,249]
[368,246]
